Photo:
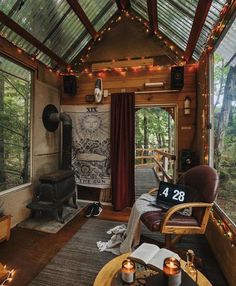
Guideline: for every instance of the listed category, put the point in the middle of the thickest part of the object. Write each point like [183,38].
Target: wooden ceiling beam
[198,22]
[152,15]
[123,5]
[30,38]
[10,50]
[83,18]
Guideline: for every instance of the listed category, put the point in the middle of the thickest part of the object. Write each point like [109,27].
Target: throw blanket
[125,239]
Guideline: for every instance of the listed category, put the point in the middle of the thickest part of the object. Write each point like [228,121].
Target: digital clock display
[171,194]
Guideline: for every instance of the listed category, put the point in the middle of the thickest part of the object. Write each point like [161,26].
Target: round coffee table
[109,270]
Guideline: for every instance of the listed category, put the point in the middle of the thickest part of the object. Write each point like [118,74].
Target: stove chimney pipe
[51,120]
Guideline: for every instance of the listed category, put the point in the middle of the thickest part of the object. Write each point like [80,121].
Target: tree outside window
[15,88]
[225,121]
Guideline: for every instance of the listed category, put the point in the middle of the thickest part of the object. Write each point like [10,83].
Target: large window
[224,108]
[15,89]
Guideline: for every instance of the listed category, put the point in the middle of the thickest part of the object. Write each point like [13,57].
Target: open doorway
[155,146]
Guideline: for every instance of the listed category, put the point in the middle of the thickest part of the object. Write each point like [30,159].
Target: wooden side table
[5,226]
[106,274]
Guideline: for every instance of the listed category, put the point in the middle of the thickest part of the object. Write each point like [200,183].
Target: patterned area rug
[79,261]
[47,223]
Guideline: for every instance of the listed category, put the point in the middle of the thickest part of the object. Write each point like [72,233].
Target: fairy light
[151,68]
[123,70]
[165,42]
[224,228]
[229,234]
[10,274]
[218,27]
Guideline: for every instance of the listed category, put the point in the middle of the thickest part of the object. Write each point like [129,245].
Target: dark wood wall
[203,107]
[128,40]
[134,81]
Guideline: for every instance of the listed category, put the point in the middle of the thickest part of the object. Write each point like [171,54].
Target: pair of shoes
[89,211]
[97,209]
[93,210]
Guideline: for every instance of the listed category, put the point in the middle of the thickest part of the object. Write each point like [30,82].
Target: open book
[152,255]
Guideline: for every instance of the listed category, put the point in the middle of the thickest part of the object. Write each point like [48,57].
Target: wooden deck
[145,180]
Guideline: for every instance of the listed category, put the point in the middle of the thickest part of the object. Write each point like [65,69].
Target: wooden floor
[29,251]
[145,180]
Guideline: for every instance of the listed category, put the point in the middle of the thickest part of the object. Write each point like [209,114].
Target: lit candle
[128,271]
[172,272]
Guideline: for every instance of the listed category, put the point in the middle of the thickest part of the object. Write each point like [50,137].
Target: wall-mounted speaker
[70,84]
[187,159]
[177,77]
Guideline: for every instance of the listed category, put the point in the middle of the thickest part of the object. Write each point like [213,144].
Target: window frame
[23,186]
[220,213]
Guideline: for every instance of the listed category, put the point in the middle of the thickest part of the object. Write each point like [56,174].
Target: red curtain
[122,149]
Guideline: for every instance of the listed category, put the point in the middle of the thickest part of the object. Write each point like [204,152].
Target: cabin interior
[98,95]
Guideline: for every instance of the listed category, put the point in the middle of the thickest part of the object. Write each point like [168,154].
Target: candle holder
[189,266]
[128,271]
[171,272]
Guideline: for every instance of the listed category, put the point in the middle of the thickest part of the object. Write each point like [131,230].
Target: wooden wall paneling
[223,251]
[121,64]
[48,77]
[134,81]
[141,44]
[202,109]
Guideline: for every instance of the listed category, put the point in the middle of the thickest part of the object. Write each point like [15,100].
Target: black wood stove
[58,187]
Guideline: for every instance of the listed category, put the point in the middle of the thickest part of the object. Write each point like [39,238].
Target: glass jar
[171,272]
[128,271]
[189,266]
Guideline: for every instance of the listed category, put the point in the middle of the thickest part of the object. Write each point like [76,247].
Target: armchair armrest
[178,207]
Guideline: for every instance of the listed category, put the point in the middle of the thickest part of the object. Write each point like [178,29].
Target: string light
[168,44]
[224,228]
[9,277]
[218,28]
[123,70]
[31,57]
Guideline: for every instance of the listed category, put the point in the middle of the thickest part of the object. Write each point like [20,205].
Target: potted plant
[5,225]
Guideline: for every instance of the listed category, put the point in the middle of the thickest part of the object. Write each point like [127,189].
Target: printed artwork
[90,144]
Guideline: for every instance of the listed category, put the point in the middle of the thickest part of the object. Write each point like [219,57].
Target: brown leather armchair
[203,182]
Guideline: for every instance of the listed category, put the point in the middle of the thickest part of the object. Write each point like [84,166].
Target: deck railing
[163,163]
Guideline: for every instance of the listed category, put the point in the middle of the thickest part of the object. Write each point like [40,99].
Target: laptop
[171,194]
